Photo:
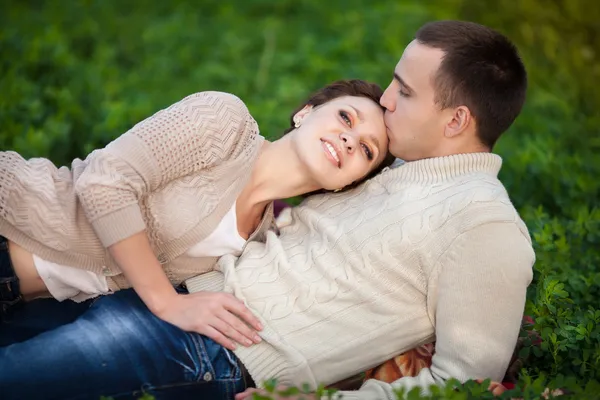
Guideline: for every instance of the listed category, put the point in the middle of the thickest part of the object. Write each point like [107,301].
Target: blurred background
[74,75]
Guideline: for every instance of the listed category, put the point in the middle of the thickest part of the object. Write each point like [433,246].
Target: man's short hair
[482,70]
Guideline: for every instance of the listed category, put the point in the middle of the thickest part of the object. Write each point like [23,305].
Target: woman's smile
[332,153]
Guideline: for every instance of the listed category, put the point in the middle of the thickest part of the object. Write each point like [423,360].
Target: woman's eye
[403,94]
[346,117]
[368,151]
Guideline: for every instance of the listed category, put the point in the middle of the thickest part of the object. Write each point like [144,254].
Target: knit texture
[174,175]
[431,250]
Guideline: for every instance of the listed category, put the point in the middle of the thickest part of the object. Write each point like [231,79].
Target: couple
[431,250]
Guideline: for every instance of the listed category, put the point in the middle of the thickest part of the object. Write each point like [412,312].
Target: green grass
[75,75]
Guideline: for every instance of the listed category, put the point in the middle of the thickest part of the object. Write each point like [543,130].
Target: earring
[297,122]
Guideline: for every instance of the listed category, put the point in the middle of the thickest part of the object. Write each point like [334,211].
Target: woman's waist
[22,264]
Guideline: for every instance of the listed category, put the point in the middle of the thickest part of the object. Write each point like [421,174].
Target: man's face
[415,124]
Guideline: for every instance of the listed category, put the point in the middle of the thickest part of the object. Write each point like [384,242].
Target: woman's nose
[349,141]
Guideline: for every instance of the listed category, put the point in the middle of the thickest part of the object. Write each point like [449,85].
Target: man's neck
[445,168]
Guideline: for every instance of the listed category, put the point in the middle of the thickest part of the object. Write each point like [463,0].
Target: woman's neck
[277,174]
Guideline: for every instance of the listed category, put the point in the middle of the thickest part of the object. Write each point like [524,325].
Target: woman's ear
[300,115]
[459,121]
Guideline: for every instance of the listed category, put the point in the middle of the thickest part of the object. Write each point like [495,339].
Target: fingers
[239,308]
[218,337]
[238,330]
[226,329]
[497,390]
[221,316]
[247,394]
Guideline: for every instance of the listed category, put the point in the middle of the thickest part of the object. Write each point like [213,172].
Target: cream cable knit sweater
[431,250]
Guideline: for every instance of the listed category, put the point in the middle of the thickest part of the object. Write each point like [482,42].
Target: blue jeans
[110,346]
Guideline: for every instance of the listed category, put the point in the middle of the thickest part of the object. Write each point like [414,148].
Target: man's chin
[405,157]
[402,155]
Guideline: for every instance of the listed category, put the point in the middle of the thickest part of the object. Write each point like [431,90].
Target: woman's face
[341,141]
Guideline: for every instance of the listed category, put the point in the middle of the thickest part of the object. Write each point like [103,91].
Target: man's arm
[478,302]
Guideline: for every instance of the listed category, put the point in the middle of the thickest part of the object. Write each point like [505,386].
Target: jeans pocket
[218,376]
[218,362]
[228,365]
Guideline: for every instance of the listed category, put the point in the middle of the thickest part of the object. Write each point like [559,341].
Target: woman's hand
[219,316]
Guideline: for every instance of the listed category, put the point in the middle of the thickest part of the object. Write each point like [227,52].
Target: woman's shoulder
[220,103]
[225,112]
[222,119]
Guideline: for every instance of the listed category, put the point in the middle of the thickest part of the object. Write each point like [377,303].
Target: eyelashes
[367,151]
[345,116]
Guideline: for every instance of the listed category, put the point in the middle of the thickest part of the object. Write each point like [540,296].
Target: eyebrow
[358,113]
[362,119]
[397,77]
[374,140]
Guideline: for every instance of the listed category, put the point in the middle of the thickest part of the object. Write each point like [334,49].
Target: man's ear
[300,115]
[459,121]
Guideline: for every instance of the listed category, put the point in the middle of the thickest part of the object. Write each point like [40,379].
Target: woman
[160,203]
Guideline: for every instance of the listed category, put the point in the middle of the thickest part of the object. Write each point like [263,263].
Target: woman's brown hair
[352,87]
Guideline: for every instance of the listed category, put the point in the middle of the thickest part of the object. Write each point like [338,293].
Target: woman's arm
[143,271]
[216,315]
[198,132]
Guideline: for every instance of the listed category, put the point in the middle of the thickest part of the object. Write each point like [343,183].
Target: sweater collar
[440,169]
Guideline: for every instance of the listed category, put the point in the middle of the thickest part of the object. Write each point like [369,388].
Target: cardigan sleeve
[200,131]
[479,300]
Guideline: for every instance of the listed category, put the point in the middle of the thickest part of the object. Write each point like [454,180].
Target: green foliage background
[74,75]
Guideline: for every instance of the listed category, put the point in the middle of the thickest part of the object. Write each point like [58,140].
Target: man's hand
[278,395]
[219,316]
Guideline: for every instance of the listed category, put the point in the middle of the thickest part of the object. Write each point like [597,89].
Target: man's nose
[387,100]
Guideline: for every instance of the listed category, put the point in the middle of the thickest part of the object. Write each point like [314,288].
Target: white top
[65,282]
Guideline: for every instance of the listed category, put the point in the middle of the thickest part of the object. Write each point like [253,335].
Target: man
[447,245]
[430,250]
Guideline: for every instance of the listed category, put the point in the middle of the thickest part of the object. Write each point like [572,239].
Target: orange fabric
[410,363]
